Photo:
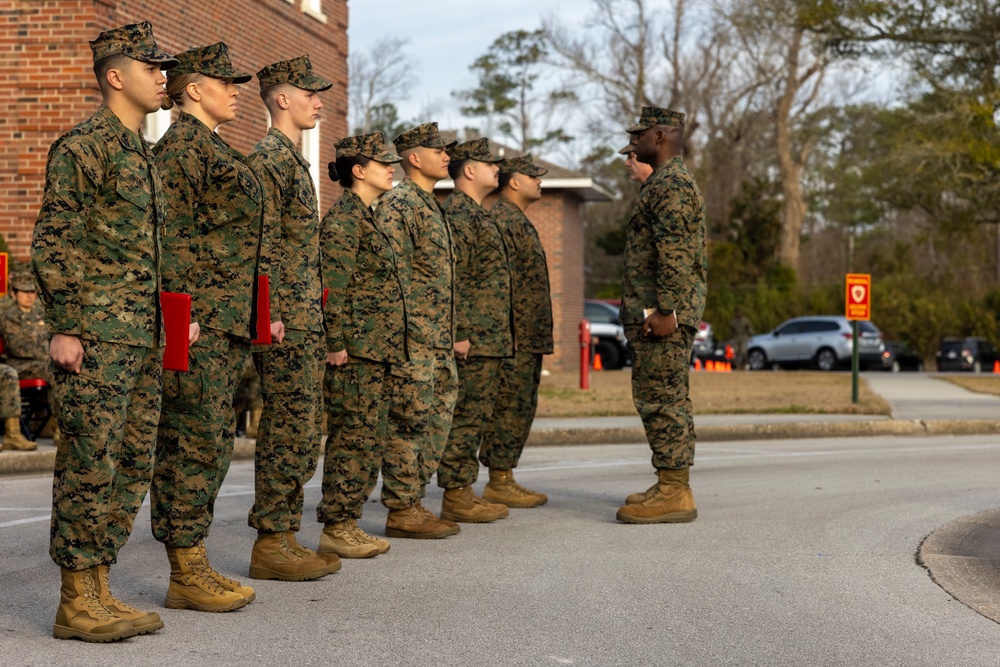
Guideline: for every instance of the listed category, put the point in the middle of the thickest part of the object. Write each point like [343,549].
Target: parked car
[607,334]
[966,354]
[704,342]
[823,341]
[898,356]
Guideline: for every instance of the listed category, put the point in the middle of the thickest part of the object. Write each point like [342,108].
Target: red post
[584,354]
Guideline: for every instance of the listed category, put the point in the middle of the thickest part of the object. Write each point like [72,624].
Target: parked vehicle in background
[704,342]
[898,356]
[822,341]
[966,354]
[607,334]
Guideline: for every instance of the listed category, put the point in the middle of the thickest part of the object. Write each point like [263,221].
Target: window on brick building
[155,125]
[314,8]
[310,151]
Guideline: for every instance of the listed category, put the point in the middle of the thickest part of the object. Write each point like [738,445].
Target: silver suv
[822,341]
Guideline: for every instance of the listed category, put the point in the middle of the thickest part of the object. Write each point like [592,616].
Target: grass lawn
[790,392]
[984,384]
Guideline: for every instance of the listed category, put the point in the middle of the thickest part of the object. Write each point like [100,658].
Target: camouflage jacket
[482,279]
[24,334]
[212,236]
[414,219]
[289,253]
[96,244]
[365,310]
[666,264]
[529,278]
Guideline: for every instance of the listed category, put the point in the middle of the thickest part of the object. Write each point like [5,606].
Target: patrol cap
[652,116]
[22,282]
[629,148]
[476,149]
[425,135]
[522,165]
[135,41]
[212,60]
[297,71]
[369,145]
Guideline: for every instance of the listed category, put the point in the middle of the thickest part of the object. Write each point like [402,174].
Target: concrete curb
[14,463]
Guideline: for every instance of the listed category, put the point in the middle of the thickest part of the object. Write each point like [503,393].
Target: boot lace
[108,599]
[204,572]
[94,606]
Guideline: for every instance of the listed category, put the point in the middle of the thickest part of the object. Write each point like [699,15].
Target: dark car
[966,354]
[898,356]
[607,334]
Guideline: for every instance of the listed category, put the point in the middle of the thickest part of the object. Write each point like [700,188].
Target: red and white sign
[859,296]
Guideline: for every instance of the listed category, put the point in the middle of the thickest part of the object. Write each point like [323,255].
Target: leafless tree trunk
[381,75]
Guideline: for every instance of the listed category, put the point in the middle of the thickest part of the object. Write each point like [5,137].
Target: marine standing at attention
[213,207]
[289,434]
[663,298]
[96,261]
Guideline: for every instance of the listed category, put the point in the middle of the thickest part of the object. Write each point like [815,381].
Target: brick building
[46,77]
[559,220]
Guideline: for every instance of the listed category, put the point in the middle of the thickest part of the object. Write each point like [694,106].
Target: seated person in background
[10,411]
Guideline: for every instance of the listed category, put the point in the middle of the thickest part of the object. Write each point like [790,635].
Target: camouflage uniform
[365,315]
[10,393]
[212,238]
[96,261]
[665,268]
[289,434]
[26,342]
[504,436]
[483,316]
[423,391]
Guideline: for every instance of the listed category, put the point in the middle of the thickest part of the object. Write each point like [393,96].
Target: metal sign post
[859,307]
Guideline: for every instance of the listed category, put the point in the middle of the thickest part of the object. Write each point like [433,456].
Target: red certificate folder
[176,324]
[263,327]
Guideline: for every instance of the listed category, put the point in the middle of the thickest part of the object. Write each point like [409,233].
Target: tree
[508,75]
[378,76]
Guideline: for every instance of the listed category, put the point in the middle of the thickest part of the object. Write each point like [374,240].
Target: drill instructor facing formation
[663,297]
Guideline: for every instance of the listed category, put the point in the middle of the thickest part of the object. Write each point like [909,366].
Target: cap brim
[165,61]
[316,84]
[625,151]
[638,127]
[386,157]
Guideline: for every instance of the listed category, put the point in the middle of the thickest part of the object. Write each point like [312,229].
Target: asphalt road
[803,554]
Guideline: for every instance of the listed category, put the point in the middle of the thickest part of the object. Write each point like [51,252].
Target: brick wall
[46,74]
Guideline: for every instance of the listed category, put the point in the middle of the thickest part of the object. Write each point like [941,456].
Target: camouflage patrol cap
[135,41]
[476,149]
[297,71]
[522,165]
[628,149]
[369,145]
[23,282]
[652,116]
[212,60]
[425,135]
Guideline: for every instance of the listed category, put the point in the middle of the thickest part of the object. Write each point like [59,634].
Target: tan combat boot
[13,439]
[144,621]
[347,540]
[464,506]
[273,558]
[192,585]
[636,498]
[672,502]
[503,489]
[81,614]
[413,523]
[332,564]
[430,515]
[227,583]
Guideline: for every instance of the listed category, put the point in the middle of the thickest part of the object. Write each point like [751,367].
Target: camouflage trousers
[517,399]
[478,382]
[357,408]
[290,433]
[660,369]
[194,443]
[104,460]
[442,411]
[10,393]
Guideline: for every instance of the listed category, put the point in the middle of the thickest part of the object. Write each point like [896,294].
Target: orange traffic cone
[598,366]
[729,367]
[697,364]
[710,366]
[996,366]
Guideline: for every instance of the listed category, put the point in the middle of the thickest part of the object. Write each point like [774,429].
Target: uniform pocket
[183,392]
[80,403]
